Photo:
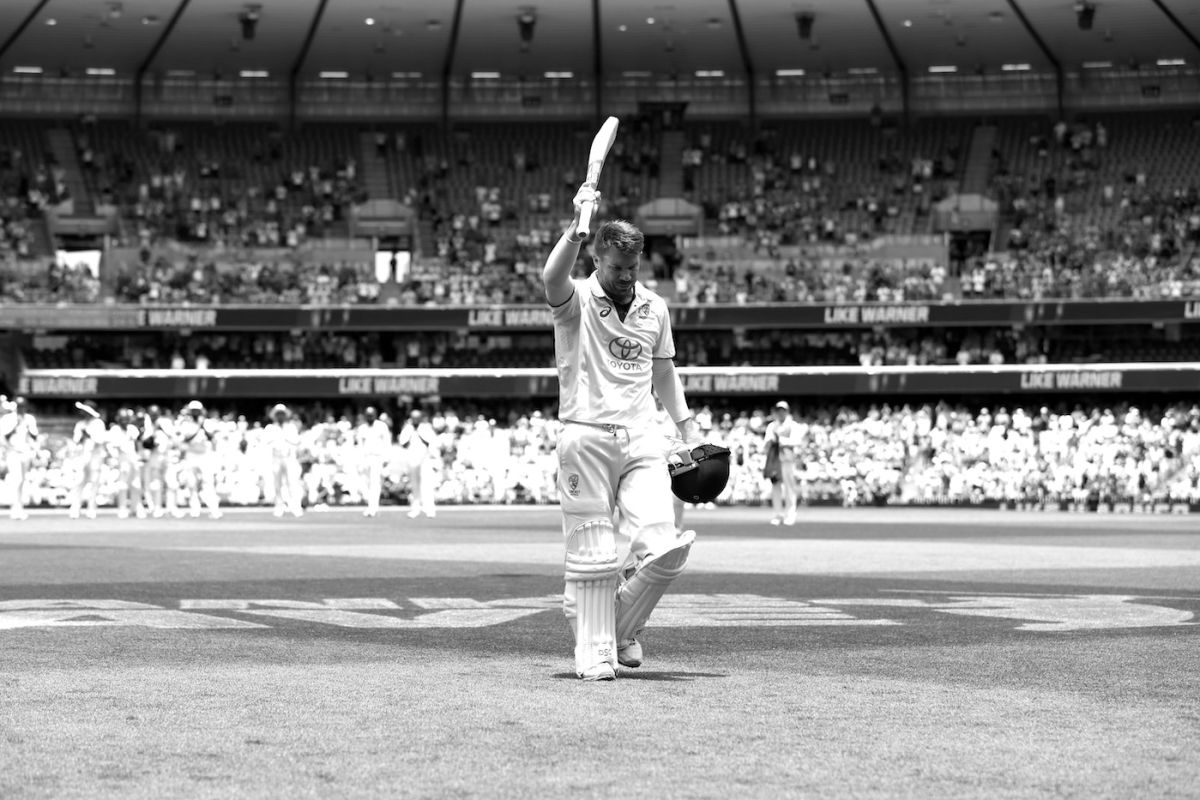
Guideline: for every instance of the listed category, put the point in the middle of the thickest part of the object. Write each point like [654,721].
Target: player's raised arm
[556,275]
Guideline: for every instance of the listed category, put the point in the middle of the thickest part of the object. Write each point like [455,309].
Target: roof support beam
[148,61]
[747,64]
[598,61]
[901,67]
[448,64]
[301,57]
[1178,23]
[20,29]
[1046,51]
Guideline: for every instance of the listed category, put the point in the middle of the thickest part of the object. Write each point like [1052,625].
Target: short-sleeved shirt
[604,363]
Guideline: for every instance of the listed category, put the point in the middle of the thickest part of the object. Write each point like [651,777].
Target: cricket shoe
[600,672]
[629,654]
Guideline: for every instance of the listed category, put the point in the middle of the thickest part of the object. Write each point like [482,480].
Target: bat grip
[585,219]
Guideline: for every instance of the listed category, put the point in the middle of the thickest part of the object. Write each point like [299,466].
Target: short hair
[620,235]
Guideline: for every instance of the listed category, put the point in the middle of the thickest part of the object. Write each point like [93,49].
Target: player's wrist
[572,234]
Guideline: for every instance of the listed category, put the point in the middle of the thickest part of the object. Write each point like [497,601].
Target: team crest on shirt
[623,348]
[605,310]
[573,485]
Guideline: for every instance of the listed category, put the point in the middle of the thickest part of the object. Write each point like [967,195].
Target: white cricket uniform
[89,436]
[612,454]
[373,441]
[421,442]
[612,465]
[789,435]
[18,440]
[282,442]
[195,438]
[123,446]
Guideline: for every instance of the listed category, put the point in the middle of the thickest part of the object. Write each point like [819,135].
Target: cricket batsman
[613,347]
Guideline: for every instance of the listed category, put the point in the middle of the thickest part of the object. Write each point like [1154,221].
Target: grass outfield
[862,653]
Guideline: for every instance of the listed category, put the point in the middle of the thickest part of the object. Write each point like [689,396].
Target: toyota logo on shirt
[624,349]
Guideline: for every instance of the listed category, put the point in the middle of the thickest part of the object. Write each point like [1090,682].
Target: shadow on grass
[650,676]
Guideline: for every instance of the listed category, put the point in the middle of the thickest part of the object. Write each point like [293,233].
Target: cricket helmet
[699,475]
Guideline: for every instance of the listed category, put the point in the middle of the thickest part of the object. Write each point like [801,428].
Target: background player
[18,441]
[157,435]
[613,346]
[123,440]
[420,439]
[784,434]
[88,439]
[372,440]
[281,438]
[194,435]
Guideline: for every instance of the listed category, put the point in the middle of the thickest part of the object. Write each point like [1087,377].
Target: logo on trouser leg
[573,485]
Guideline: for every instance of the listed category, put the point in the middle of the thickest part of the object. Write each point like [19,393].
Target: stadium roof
[573,37]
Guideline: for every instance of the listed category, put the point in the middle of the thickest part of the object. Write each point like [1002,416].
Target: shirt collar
[639,298]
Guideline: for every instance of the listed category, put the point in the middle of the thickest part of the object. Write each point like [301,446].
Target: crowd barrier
[790,382]
[520,318]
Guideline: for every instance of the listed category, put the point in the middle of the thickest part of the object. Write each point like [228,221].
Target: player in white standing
[89,440]
[613,346]
[372,439]
[156,442]
[195,435]
[281,437]
[788,435]
[18,442]
[122,443]
[420,440]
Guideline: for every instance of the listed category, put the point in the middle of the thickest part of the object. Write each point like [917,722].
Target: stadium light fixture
[333,74]
[1171,62]
[369,21]
[1097,64]
[908,23]
[254,73]
[622,27]
[636,73]
[51,21]
[101,71]
[941,68]
[862,71]
[1015,67]
[27,70]
[406,75]
[710,73]
[181,73]
[789,73]
[560,75]
[485,75]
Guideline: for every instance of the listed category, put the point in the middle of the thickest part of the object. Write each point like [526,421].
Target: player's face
[617,272]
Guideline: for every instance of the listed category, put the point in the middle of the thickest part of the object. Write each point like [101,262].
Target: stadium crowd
[1082,218]
[877,454]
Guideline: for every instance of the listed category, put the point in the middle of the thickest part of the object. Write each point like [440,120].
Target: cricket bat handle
[588,208]
[585,219]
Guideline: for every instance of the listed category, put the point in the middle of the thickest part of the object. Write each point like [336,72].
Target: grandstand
[343,222]
[957,241]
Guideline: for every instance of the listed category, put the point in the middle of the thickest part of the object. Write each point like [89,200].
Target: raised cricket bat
[600,147]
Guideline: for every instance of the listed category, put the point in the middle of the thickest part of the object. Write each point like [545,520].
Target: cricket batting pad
[641,593]
[589,597]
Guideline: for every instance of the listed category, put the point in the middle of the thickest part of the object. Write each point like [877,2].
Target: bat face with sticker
[601,144]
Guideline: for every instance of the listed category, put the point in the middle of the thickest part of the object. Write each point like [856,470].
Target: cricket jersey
[604,362]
